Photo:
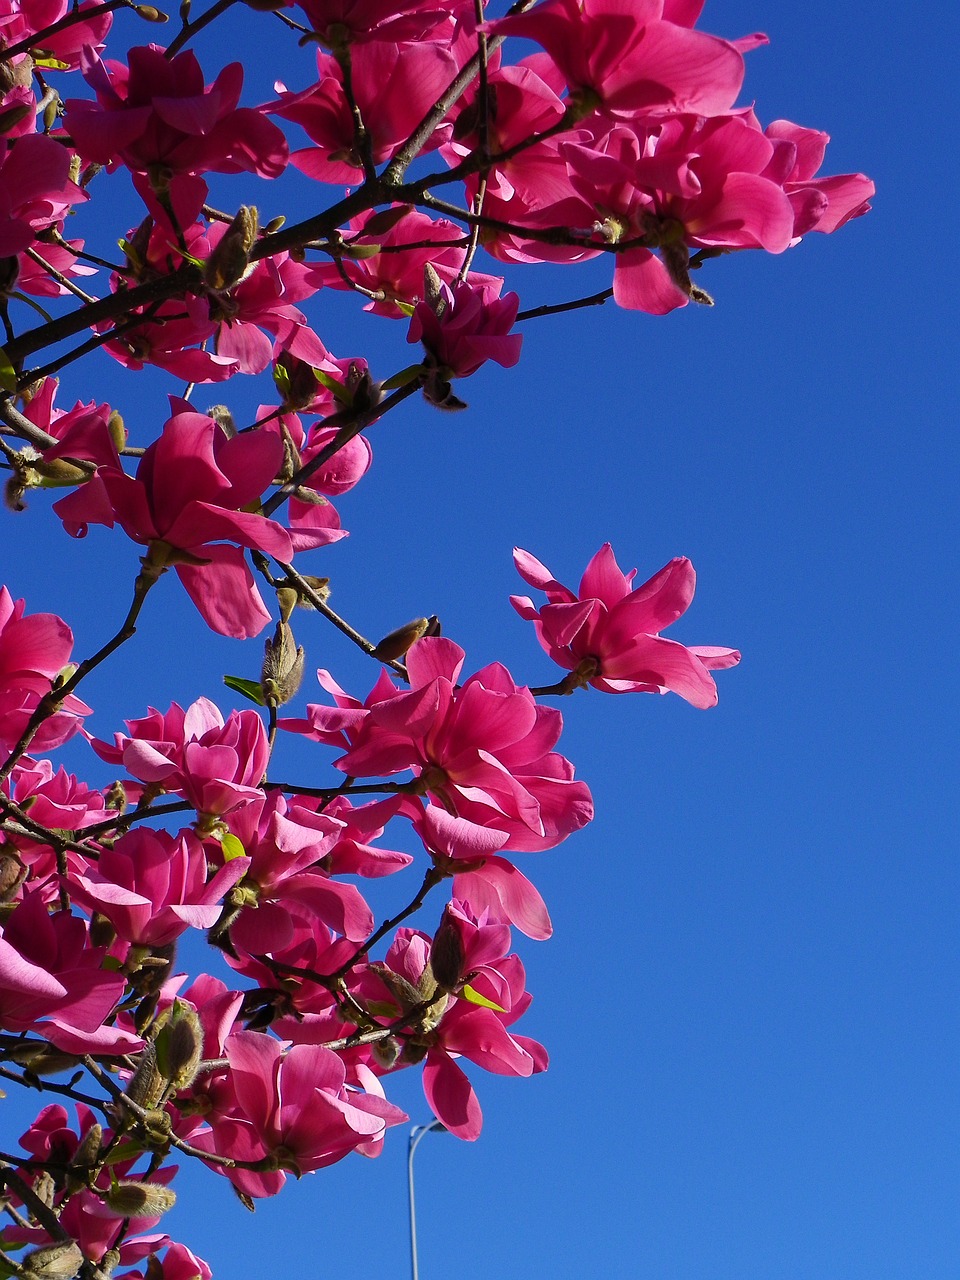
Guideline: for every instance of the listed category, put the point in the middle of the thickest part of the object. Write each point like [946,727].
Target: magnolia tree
[551,133]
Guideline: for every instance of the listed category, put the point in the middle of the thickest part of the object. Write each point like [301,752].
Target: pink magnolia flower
[394,86]
[624,54]
[190,503]
[292,1103]
[152,887]
[820,204]
[484,750]
[461,327]
[286,845]
[157,112]
[470,854]
[35,190]
[52,983]
[608,635]
[23,18]
[468,992]
[214,763]
[34,650]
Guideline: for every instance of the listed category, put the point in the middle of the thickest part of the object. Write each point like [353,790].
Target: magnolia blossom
[214,763]
[190,503]
[609,633]
[152,887]
[34,650]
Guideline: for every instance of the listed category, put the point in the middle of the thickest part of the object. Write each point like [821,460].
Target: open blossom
[158,112]
[33,651]
[630,58]
[52,983]
[36,191]
[190,502]
[462,993]
[152,887]
[464,325]
[214,763]
[608,634]
[483,749]
[292,1103]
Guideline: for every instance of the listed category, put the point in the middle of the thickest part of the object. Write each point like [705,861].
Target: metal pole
[418,1132]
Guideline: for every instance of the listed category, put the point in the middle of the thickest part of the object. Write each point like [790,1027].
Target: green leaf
[338,390]
[49,63]
[404,377]
[232,847]
[247,688]
[470,993]
[8,375]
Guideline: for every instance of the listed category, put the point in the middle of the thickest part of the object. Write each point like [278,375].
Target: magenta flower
[623,53]
[294,1104]
[52,983]
[152,887]
[192,495]
[461,327]
[33,652]
[214,763]
[484,750]
[158,113]
[609,634]
[35,190]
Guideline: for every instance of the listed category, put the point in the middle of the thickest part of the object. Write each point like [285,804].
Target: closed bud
[147,1082]
[386,1052]
[150,14]
[102,932]
[84,1159]
[118,432]
[45,1189]
[51,111]
[231,257]
[179,1045]
[136,1199]
[396,644]
[274,225]
[224,419]
[58,1261]
[12,875]
[446,955]
[111,1260]
[282,671]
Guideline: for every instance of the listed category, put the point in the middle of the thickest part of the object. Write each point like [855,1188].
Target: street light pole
[418,1132]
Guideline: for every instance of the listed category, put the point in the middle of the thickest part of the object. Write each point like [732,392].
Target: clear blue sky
[751,996]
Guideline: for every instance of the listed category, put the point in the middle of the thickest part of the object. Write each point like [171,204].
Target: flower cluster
[620,135]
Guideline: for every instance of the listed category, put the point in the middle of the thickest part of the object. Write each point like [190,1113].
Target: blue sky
[751,996]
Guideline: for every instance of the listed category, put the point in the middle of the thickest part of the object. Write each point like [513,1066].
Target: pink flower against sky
[191,500]
[609,633]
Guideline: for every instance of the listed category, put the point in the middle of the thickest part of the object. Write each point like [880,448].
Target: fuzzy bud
[147,1082]
[224,419]
[179,1045]
[58,1261]
[136,1199]
[282,671]
[12,875]
[396,644]
[231,257]
[446,955]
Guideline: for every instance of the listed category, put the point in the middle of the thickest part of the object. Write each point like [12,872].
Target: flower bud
[229,260]
[12,116]
[58,1261]
[12,875]
[179,1045]
[136,1199]
[396,644]
[150,14]
[386,1052]
[147,1083]
[282,671]
[446,955]
[224,419]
